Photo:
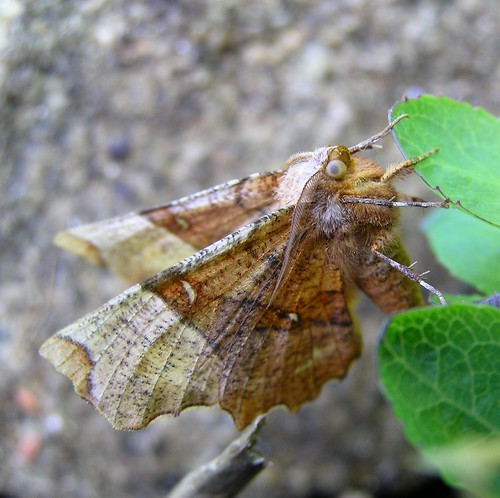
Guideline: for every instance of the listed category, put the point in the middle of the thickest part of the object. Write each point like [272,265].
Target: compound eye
[336,169]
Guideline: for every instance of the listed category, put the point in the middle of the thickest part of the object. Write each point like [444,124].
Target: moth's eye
[336,169]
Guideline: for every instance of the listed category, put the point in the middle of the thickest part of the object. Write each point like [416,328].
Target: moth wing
[204,332]
[141,244]
[388,288]
[287,349]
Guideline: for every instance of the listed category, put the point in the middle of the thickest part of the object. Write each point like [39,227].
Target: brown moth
[262,315]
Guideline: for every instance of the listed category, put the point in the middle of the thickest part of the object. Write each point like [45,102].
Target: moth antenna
[370,142]
[409,164]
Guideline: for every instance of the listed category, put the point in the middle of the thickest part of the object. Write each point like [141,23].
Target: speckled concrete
[108,107]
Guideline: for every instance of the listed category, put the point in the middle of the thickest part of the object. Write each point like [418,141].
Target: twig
[228,473]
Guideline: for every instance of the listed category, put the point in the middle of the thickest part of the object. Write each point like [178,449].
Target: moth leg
[414,202]
[406,271]
[406,167]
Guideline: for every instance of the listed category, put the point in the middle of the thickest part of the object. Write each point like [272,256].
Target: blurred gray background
[110,107]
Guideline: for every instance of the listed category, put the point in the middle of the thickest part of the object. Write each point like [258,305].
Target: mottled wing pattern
[205,332]
[138,245]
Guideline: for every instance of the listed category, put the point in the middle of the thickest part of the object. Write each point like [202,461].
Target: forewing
[138,245]
[204,332]
[154,349]
[288,348]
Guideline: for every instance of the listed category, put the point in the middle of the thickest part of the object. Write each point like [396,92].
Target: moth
[260,311]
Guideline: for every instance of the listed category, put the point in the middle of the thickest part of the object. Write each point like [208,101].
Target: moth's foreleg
[410,202]
[406,271]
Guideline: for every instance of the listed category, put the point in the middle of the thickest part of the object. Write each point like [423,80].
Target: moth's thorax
[328,214]
[336,218]
[297,175]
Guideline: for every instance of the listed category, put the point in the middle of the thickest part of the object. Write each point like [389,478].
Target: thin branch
[228,473]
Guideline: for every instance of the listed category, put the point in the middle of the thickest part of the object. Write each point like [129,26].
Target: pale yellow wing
[138,245]
[205,332]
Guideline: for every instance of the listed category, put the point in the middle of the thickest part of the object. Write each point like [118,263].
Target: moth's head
[337,163]
[304,173]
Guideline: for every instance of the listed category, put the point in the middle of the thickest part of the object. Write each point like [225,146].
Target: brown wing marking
[124,346]
[207,216]
[202,332]
[141,244]
[270,353]
[303,339]
[135,357]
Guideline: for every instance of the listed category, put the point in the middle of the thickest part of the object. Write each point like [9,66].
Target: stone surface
[108,107]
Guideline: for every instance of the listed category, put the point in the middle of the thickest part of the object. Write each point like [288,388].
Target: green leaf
[458,299]
[467,247]
[440,368]
[472,464]
[442,364]
[466,167]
